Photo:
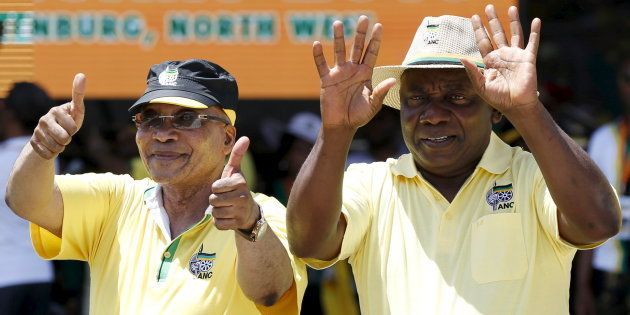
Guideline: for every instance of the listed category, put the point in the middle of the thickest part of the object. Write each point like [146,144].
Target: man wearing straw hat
[464,224]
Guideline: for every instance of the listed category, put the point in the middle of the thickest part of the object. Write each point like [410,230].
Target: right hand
[346,96]
[55,129]
[233,206]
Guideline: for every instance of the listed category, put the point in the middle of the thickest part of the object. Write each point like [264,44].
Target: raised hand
[55,129]
[232,204]
[509,81]
[346,96]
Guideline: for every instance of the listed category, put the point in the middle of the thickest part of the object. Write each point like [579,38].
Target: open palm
[346,95]
[509,81]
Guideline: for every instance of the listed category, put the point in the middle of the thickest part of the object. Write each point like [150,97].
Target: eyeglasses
[181,120]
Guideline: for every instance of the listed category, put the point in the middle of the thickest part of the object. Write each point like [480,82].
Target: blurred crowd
[588,93]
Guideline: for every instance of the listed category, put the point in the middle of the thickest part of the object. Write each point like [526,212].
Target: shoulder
[264,200]
[104,182]
[392,165]
[524,165]
[367,174]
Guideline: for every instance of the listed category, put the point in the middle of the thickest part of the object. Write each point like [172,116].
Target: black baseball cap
[193,83]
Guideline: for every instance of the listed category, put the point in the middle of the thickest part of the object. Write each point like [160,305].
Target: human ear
[229,140]
[496,116]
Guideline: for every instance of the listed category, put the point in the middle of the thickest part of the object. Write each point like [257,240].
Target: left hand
[232,204]
[509,81]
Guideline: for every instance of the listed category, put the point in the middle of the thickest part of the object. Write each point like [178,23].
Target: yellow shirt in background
[120,228]
[495,249]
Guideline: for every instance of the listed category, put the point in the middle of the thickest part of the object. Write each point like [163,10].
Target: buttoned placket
[153,203]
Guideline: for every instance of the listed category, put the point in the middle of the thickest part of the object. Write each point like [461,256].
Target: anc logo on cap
[168,76]
[499,197]
[201,264]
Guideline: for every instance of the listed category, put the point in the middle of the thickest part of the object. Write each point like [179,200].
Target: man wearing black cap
[193,238]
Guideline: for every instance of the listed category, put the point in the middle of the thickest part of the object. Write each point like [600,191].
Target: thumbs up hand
[233,206]
[55,129]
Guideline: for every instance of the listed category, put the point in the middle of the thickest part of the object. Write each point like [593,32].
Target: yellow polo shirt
[121,229]
[495,249]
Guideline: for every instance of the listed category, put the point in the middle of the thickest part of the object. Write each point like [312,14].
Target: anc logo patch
[430,36]
[500,197]
[168,76]
[201,264]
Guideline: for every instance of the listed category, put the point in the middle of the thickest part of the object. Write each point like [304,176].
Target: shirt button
[448,216]
[167,255]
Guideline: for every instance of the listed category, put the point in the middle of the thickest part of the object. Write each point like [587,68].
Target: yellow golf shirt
[121,229]
[495,249]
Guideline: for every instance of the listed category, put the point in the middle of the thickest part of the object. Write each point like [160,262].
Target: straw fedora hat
[439,43]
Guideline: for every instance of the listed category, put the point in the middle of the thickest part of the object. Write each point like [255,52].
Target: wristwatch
[257,232]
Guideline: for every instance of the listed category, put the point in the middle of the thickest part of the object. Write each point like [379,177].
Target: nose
[165,132]
[434,113]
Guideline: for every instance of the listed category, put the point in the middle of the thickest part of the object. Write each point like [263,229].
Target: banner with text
[265,44]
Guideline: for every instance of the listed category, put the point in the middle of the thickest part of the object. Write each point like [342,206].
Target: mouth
[437,142]
[166,156]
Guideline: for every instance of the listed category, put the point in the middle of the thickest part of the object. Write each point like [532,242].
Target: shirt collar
[153,201]
[404,166]
[496,159]
[155,204]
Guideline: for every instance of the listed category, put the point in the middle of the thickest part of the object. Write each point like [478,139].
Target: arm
[585,300]
[31,191]
[264,270]
[588,211]
[314,222]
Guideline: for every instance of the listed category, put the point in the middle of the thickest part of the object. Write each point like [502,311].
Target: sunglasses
[181,120]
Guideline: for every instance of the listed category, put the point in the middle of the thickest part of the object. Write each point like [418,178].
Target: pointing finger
[481,36]
[495,26]
[374,46]
[320,60]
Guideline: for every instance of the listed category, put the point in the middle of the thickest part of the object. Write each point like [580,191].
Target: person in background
[329,291]
[192,238]
[381,139]
[464,224]
[603,274]
[25,279]
[295,144]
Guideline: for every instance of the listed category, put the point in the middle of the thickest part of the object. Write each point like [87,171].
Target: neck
[185,206]
[448,185]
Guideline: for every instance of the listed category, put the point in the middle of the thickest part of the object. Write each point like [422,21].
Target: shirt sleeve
[547,212]
[357,210]
[275,215]
[89,201]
